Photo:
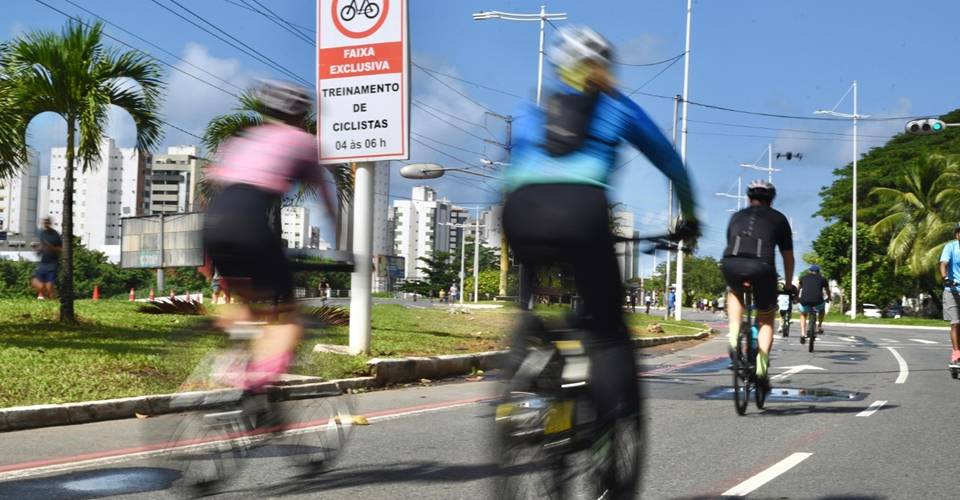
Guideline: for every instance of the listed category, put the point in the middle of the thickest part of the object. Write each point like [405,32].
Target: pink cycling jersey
[270,157]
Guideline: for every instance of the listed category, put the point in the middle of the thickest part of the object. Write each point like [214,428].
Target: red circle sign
[364,8]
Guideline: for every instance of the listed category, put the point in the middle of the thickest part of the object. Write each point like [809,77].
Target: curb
[944,328]
[384,372]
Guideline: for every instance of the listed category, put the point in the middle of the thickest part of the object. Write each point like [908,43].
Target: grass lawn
[840,318]
[115,351]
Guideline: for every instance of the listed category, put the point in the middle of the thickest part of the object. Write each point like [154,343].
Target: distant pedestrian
[215,283]
[454,293]
[648,300]
[671,301]
[49,248]
[633,301]
[443,296]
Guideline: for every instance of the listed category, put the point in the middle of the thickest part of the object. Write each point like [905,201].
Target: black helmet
[283,100]
[761,190]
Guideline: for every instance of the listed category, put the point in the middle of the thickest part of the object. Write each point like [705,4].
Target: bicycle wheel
[319,430]
[372,10]
[348,12]
[741,377]
[528,469]
[811,330]
[204,451]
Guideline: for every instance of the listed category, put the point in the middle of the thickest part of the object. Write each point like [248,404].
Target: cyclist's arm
[945,261]
[943,270]
[643,134]
[787,265]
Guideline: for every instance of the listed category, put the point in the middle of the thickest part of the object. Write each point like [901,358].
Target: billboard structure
[159,241]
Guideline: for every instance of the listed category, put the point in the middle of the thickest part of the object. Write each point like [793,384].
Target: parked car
[893,311]
[872,311]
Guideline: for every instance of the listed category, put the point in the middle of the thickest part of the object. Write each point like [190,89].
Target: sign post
[362,116]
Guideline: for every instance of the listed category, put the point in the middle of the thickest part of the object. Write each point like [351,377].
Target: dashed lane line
[873,408]
[743,489]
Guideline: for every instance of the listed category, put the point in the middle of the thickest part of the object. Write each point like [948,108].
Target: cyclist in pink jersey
[255,170]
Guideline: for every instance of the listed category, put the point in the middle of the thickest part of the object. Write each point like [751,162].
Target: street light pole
[476,258]
[856,153]
[666,282]
[542,17]
[678,314]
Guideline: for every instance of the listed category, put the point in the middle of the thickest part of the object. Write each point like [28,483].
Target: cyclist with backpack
[557,211]
[752,236]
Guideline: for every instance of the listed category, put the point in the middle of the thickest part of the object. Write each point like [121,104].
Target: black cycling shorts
[761,276]
[238,238]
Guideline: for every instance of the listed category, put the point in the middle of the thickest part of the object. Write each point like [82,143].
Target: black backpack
[568,121]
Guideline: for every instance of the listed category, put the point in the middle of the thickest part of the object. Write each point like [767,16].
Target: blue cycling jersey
[616,118]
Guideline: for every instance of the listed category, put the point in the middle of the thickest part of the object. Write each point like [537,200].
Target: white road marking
[890,340]
[743,489]
[904,370]
[923,341]
[873,408]
[848,339]
[792,370]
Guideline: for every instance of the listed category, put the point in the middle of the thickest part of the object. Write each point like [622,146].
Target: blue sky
[777,57]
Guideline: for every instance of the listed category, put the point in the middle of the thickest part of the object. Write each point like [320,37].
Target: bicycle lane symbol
[364,16]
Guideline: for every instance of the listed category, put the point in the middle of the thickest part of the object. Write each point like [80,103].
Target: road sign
[363,75]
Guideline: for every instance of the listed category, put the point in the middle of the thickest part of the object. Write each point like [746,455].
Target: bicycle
[811,329]
[547,433]
[221,427]
[368,8]
[745,360]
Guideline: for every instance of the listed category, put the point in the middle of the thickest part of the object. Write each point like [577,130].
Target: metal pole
[360,281]
[504,247]
[160,277]
[853,270]
[543,18]
[678,314]
[666,282]
[770,163]
[739,191]
[463,256]
[476,259]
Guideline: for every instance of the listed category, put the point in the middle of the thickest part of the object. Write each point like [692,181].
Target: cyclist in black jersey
[752,236]
[814,293]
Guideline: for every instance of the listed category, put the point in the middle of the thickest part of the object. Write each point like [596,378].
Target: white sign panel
[362,80]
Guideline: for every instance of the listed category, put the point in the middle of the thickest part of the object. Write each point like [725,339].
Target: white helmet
[283,99]
[577,44]
[762,190]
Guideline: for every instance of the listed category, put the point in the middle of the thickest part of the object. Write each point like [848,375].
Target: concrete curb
[384,372]
[944,328]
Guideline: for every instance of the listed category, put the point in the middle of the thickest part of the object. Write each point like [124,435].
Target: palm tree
[923,207]
[73,75]
[249,113]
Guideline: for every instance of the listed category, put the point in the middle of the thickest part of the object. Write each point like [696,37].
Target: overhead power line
[451,146]
[806,131]
[468,82]
[131,47]
[447,114]
[237,43]
[451,87]
[657,63]
[275,19]
[437,117]
[654,77]
[299,27]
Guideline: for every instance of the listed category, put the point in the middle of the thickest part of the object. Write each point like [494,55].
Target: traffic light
[925,126]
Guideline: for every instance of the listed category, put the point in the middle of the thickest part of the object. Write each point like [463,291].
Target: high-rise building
[623,227]
[492,229]
[43,197]
[18,200]
[421,226]
[171,186]
[295,222]
[104,192]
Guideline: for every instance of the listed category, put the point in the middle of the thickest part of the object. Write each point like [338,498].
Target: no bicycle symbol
[364,17]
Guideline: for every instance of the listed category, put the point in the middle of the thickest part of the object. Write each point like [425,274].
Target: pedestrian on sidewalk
[49,248]
[671,301]
[443,296]
[454,292]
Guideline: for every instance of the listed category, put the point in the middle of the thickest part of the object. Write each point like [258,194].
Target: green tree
[490,283]
[73,75]
[922,209]
[701,279]
[440,270]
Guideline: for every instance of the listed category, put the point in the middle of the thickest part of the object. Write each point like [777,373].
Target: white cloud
[191,104]
[17,29]
[643,49]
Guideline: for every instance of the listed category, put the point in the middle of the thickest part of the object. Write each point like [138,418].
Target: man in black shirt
[752,236]
[49,248]
[813,289]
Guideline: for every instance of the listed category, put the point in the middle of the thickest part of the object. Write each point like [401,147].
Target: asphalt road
[870,414]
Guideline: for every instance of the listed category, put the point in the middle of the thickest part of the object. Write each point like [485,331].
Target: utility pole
[666,282]
[504,247]
[361,279]
[476,258]
[678,314]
